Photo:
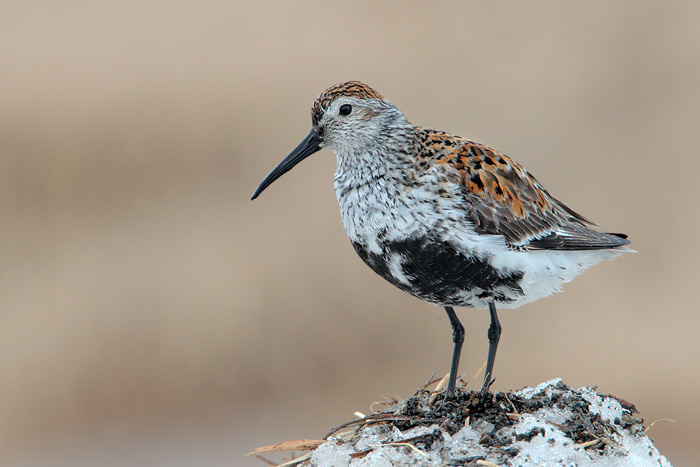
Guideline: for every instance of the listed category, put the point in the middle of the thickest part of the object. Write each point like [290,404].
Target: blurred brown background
[150,314]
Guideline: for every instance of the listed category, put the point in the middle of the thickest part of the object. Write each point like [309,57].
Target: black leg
[494,335]
[458,339]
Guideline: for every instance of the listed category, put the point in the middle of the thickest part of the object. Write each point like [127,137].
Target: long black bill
[310,145]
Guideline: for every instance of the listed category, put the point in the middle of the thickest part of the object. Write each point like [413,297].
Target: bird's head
[347,118]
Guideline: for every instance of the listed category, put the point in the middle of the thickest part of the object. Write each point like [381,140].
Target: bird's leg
[494,334]
[458,339]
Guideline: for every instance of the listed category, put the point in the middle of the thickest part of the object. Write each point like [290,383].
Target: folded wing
[502,198]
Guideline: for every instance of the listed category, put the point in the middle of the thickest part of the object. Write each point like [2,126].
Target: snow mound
[549,425]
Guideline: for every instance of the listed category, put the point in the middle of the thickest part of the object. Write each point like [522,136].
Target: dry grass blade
[428,383]
[590,443]
[369,419]
[296,461]
[515,410]
[299,445]
[409,445]
[481,370]
[486,463]
[443,383]
[404,442]
[657,421]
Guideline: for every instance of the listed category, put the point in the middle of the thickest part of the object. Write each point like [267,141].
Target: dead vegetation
[492,411]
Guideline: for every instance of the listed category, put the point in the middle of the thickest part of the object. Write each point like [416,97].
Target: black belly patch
[438,273]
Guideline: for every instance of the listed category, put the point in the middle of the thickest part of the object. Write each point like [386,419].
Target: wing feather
[503,198]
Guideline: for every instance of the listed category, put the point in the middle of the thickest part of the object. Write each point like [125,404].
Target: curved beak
[310,145]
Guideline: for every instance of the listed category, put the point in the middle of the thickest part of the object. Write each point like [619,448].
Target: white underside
[371,208]
[546,271]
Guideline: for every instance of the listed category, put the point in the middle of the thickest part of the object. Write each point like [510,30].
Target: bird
[449,220]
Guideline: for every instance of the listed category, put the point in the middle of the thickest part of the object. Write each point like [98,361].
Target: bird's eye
[345,109]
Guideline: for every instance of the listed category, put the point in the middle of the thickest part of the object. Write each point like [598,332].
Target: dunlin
[446,219]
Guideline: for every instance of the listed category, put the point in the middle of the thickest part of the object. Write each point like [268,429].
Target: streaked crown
[348,89]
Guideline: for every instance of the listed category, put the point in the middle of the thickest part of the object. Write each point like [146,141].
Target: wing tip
[573,240]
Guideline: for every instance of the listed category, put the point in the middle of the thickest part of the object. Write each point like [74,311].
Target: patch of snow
[608,408]
[553,448]
[334,453]
[557,426]
[529,393]
[465,445]
[393,456]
